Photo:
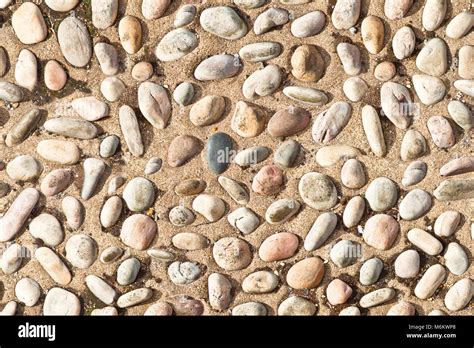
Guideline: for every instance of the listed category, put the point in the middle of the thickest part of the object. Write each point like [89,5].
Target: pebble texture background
[166,281]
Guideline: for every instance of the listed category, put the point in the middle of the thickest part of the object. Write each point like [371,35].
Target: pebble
[26,70]
[4,65]
[159,309]
[355,88]
[182,149]
[75,42]
[28,24]
[142,71]
[460,25]
[134,297]
[353,212]
[373,130]
[74,212]
[345,14]
[161,255]
[183,273]
[433,59]
[115,183]
[281,211]
[72,128]
[260,282]
[5,3]
[153,165]
[223,22]
[260,51]
[414,173]
[350,311]
[109,146]
[112,88]
[306,274]
[425,241]
[286,154]
[413,145]
[101,289]
[138,231]
[338,292]
[372,31]
[288,121]
[385,71]
[9,309]
[415,204]
[260,83]
[131,130]
[111,211]
[430,281]
[318,191]
[248,120]
[402,308]
[93,171]
[184,93]
[24,168]
[244,219]
[15,217]
[344,253]
[104,13]
[11,258]
[459,295]
[306,95]
[90,108]
[190,187]
[189,241]
[234,189]
[154,104]
[59,151]
[219,290]
[268,181]
[111,254]
[396,103]
[370,271]
[106,311]
[270,19]
[218,67]
[278,246]
[139,194]
[322,228]
[23,128]
[352,174]
[207,111]
[249,3]
[430,89]
[184,305]
[310,24]
[307,63]
[181,216]
[296,306]
[61,5]
[407,264]
[55,77]
[403,43]
[465,86]
[130,33]
[381,194]
[250,309]
[447,223]
[434,13]
[27,291]
[441,132]
[377,297]
[218,149]
[466,60]
[61,302]
[211,207]
[232,254]
[81,251]
[251,156]
[350,58]
[53,265]
[437,312]
[185,15]
[176,44]
[456,260]
[47,228]
[381,231]
[10,92]
[331,122]
[397,9]
[154,9]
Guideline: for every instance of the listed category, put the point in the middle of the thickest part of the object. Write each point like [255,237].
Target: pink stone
[338,292]
[288,121]
[279,246]
[268,180]
[381,231]
[138,231]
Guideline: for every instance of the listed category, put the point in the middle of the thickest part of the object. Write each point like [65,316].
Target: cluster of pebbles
[248,157]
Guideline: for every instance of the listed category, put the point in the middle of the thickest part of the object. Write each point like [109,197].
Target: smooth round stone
[456,260]
[433,59]
[184,305]
[397,9]
[296,306]
[207,111]
[47,228]
[447,223]
[461,114]
[381,231]
[111,211]
[153,165]
[330,155]
[104,13]
[111,254]
[61,302]
[430,281]
[434,13]
[182,149]
[90,108]
[235,190]
[81,251]
[53,265]
[93,171]
[10,92]
[11,258]
[218,149]
[100,289]
[106,311]
[108,146]
[385,71]
[74,212]
[289,121]
[355,88]
[142,71]
[211,207]
[402,308]
[403,43]
[224,22]
[115,183]
[466,60]
[307,63]
[286,154]
[279,246]
[441,132]
[134,297]
[244,219]
[251,156]
[24,168]
[415,204]
[310,24]
[189,241]
[322,228]
[112,88]
[4,61]
[107,56]
[219,289]
[350,58]
[248,120]
[372,31]
[414,173]
[183,273]
[430,89]
[260,51]
[26,70]
[281,211]
[350,311]
[159,309]
[377,297]
[437,312]
[139,194]
[344,253]
[75,42]
[176,44]
[353,211]
[460,25]
[370,271]
[55,77]
[425,241]
[270,19]
[72,128]
[352,174]
[27,291]
[61,5]
[318,191]
[184,93]
[154,9]
[407,264]
[268,180]
[130,33]
[249,3]
[465,86]
[24,127]
[262,82]
[181,216]
[59,151]
[185,15]
[413,145]
[190,187]
[250,309]
[396,104]
[459,295]
[331,122]
[338,292]
[381,194]
[260,282]
[218,67]
[345,14]
[306,95]
[161,255]
[138,231]
[306,274]
[232,253]
[28,24]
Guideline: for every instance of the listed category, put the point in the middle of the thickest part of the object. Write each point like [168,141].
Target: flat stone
[262,82]
[103,291]
[456,260]
[433,58]
[430,281]
[429,89]
[260,282]
[190,187]
[385,71]
[447,223]
[131,130]
[218,67]
[296,306]
[309,24]
[153,165]
[331,122]
[413,145]
[211,207]
[434,13]
[28,24]
[457,166]
[111,211]
[353,212]
[72,128]
[306,274]
[350,311]
[219,289]
[61,5]
[139,194]
[350,58]
[138,231]
[109,146]
[307,63]
[345,14]
[207,110]
[322,228]
[396,104]
[154,9]
[460,25]
[59,151]
[338,292]
[22,129]
[112,88]
[372,31]
[75,42]
[182,149]
[185,15]
[381,231]
[441,132]
[224,22]
[232,253]
[26,70]
[318,191]
[90,108]
[159,309]
[370,271]
[381,194]
[130,33]
[104,13]
[184,305]
[244,219]
[24,168]
[11,258]
[377,297]
[218,149]
[260,51]
[183,273]
[190,241]
[414,173]
[281,211]
[184,93]
[176,44]
[61,302]
[115,183]
[397,9]
[248,120]
[134,297]
[459,295]
[344,253]
[425,241]
[353,174]
[74,212]
[268,181]
[373,131]
[270,19]
[415,204]
[407,264]
[181,216]
[53,265]
[402,308]
[47,228]
[81,251]
[355,88]
[328,156]
[279,246]
[10,92]
[465,86]
[287,153]
[4,65]
[55,77]
[94,169]
[111,254]
[249,309]
[234,189]
[27,291]
[306,95]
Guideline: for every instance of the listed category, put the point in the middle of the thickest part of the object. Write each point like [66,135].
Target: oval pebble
[296,306]
[377,297]
[459,295]
[232,253]
[306,274]
[353,212]
[24,168]
[281,211]
[338,292]
[370,271]
[309,24]
[279,246]
[318,191]
[61,302]
[260,282]
[211,207]
[219,289]
[407,264]
[456,260]
[320,231]
[111,211]
[47,228]
[415,204]
[344,253]
[425,241]
[224,22]
[138,231]
[101,289]
[430,281]
[447,223]
[27,291]
[75,42]
[81,251]
[381,231]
